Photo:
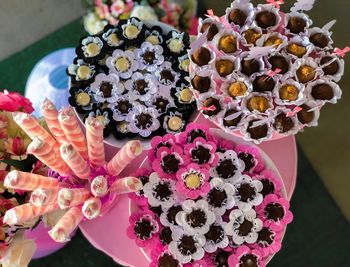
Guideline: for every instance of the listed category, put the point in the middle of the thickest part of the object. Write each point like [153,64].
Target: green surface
[319,236]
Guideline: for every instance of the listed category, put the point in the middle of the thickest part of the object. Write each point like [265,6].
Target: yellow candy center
[259,103]
[193,181]
[83,99]
[175,123]
[92,49]
[152,39]
[175,45]
[101,119]
[185,65]
[113,39]
[122,64]
[273,41]
[186,95]
[237,89]
[84,72]
[296,50]
[251,36]
[131,31]
[289,92]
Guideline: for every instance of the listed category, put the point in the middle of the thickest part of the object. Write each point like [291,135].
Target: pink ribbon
[293,112]
[226,24]
[211,15]
[272,73]
[210,108]
[341,52]
[277,4]
[317,107]
[216,51]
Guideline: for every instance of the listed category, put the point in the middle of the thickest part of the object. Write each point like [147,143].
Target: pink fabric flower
[138,197]
[144,221]
[271,183]
[194,130]
[244,254]
[251,157]
[224,145]
[157,142]
[202,152]
[275,211]
[168,161]
[192,192]
[11,101]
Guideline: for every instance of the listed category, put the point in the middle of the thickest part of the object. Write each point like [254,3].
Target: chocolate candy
[106,89]
[232,122]
[167,76]
[283,123]
[296,49]
[306,74]
[165,236]
[226,168]
[216,197]
[304,116]
[140,86]
[259,103]
[257,132]
[332,68]
[250,66]
[197,218]
[249,260]
[274,211]
[265,237]
[170,164]
[248,159]
[237,17]
[201,56]
[237,89]
[215,234]
[279,62]
[246,192]
[322,91]
[266,19]
[172,212]
[201,154]
[209,102]
[288,92]
[201,84]
[143,229]
[187,245]
[221,258]
[263,83]
[143,120]
[296,25]
[167,260]
[224,67]
[213,30]
[162,191]
[268,187]
[228,44]
[251,36]
[273,41]
[319,39]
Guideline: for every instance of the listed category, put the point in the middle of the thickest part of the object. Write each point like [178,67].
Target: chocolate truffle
[143,229]
[246,192]
[288,92]
[263,83]
[306,74]
[266,19]
[248,159]
[237,17]
[237,89]
[187,245]
[251,36]
[144,120]
[259,103]
[172,212]
[322,91]
[221,258]
[209,102]
[296,50]
[279,62]
[165,236]
[274,211]
[201,154]
[231,122]
[265,237]
[224,67]
[250,66]
[296,25]
[332,68]
[213,30]
[249,260]
[167,76]
[319,39]
[268,187]
[273,41]
[201,84]
[217,197]
[283,123]
[162,191]
[167,260]
[228,44]
[197,218]
[140,86]
[170,164]
[215,234]
[257,132]
[201,56]
[304,116]
[226,168]
[161,104]
[194,134]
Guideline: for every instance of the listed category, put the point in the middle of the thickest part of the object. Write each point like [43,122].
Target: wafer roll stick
[69,197]
[99,186]
[125,155]
[92,208]
[75,161]
[94,136]
[126,185]
[66,225]
[50,114]
[43,197]
[29,181]
[26,212]
[45,153]
[33,129]
[73,131]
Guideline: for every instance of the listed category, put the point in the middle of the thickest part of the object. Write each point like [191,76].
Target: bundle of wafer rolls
[67,152]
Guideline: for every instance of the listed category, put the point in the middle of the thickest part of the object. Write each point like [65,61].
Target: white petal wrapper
[267,95]
[303,16]
[337,92]
[341,63]
[270,8]
[282,102]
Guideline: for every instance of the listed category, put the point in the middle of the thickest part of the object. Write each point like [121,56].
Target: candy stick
[50,114]
[126,185]
[45,153]
[69,197]
[43,197]
[33,129]
[125,155]
[75,161]
[99,186]
[73,131]
[23,213]
[94,136]
[65,226]
[92,208]
[29,181]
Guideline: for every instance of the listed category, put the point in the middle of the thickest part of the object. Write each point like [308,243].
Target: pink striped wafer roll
[94,136]
[99,186]
[126,185]
[26,212]
[69,197]
[92,208]
[29,181]
[75,161]
[73,131]
[45,153]
[66,225]
[125,155]
[33,129]
[43,197]
[50,114]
